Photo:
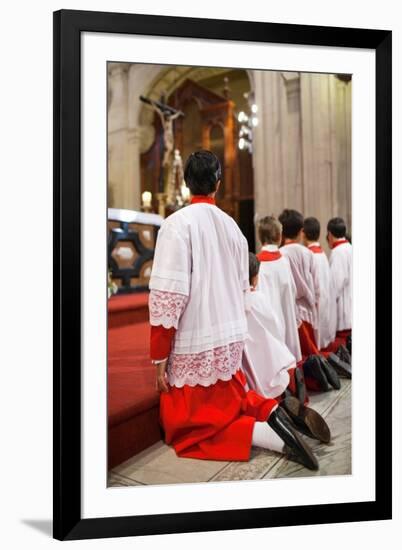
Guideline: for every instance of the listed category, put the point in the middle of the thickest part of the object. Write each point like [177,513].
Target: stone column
[117,134]
[133,187]
[319,160]
[325,104]
[302,145]
[294,160]
[139,135]
[343,91]
[269,143]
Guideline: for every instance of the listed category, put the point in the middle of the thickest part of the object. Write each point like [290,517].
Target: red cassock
[305,277]
[207,412]
[209,422]
[307,339]
[214,422]
[341,338]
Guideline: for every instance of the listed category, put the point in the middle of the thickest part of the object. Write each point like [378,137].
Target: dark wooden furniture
[209,123]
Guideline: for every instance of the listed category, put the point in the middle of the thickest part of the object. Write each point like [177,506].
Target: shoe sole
[331,374]
[342,371]
[349,346]
[344,355]
[308,460]
[309,419]
[344,359]
[300,385]
[294,447]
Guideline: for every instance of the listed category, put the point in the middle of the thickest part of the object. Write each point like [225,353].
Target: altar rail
[131,245]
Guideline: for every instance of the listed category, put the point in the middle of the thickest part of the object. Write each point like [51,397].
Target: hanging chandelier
[248,121]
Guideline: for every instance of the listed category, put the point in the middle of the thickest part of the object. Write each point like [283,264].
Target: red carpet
[127,309]
[133,402]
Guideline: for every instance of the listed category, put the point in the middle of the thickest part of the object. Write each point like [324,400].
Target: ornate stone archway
[130,129]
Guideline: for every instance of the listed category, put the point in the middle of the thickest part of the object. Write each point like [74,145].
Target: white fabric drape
[340,263]
[266,358]
[305,277]
[326,329]
[276,282]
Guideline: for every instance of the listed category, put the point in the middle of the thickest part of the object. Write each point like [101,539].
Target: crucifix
[167,116]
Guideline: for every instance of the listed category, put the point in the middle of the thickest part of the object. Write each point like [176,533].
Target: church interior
[283,140]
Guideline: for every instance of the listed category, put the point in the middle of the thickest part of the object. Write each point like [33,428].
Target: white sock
[264,436]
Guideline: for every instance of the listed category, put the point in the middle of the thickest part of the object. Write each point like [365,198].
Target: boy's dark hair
[337,227]
[253,266]
[202,172]
[292,223]
[312,229]
[269,230]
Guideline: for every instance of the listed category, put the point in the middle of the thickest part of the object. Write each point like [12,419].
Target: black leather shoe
[342,368]
[300,385]
[286,393]
[330,373]
[349,344]
[344,355]
[306,420]
[294,447]
[312,369]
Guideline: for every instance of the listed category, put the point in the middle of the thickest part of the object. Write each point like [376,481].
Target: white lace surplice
[326,329]
[276,282]
[305,277]
[198,281]
[341,270]
[266,358]
[165,308]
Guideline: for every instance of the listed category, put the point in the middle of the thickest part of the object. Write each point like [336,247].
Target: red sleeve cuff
[161,341]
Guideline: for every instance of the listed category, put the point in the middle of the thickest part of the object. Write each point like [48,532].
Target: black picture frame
[68,26]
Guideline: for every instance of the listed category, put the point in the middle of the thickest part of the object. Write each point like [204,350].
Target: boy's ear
[254,281]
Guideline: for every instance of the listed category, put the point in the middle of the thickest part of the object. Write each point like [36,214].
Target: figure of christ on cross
[167,115]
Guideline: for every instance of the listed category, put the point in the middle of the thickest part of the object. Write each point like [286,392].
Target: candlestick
[146,201]
[185,193]
[161,204]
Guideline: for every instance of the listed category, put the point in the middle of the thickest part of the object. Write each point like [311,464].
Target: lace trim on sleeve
[166,308]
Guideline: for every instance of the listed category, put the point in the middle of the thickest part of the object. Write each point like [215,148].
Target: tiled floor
[160,465]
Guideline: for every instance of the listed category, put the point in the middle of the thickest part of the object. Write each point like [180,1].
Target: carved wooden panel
[130,254]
